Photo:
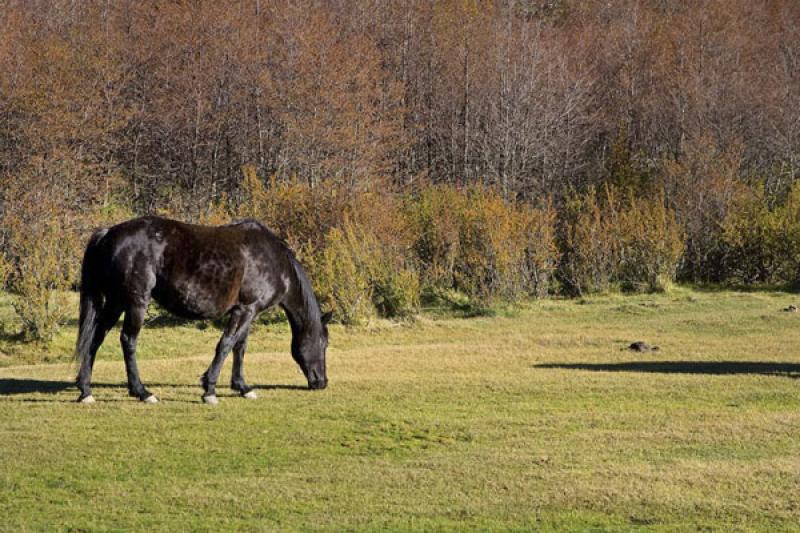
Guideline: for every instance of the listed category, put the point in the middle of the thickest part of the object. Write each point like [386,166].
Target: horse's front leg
[237,378]
[237,328]
[131,326]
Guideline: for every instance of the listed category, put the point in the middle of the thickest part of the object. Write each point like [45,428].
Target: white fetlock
[250,395]
[151,399]
[210,400]
[88,399]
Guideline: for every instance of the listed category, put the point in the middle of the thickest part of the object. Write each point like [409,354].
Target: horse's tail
[91,296]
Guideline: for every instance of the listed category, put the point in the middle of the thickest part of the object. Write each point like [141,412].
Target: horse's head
[308,351]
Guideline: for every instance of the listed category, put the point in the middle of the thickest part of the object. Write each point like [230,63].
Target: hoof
[88,399]
[250,395]
[151,399]
[210,400]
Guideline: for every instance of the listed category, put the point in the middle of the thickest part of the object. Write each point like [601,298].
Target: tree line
[110,109]
[171,98]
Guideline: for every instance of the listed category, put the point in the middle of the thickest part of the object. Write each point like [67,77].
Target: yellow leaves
[630,241]
[482,245]
[343,275]
[254,194]
[41,258]
[762,241]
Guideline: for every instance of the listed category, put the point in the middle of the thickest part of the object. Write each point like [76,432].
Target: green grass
[536,419]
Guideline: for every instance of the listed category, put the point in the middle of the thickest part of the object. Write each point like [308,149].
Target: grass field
[536,419]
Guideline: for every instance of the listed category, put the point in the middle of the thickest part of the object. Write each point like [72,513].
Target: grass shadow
[721,368]
[280,387]
[13,386]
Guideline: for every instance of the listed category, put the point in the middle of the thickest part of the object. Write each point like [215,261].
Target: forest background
[458,151]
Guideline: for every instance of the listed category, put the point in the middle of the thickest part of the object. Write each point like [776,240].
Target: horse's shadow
[9,386]
[281,387]
[720,368]
[14,386]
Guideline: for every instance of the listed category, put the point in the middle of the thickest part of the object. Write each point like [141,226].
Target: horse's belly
[192,298]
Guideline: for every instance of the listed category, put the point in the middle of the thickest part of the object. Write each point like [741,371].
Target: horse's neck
[298,308]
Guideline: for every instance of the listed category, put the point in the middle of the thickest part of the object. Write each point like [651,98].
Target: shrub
[623,240]
[375,251]
[342,276]
[379,218]
[493,242]
[790,236]
[5,271]
[298,213]
[700,187]
[587,244]
[42,261]
[435,216]
[541,252]
[396,292]
[356,245]
[763,242]
[751,236]
[217,213]
[359,275]
[650,242]
[477,243]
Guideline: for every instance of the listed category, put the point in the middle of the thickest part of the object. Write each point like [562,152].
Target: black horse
[195,272]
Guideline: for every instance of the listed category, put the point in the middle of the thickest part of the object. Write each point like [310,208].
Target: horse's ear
[327,317]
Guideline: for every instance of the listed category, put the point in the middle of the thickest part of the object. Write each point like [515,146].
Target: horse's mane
[310,304]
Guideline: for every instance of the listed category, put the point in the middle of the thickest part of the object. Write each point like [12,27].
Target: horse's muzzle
[318,384]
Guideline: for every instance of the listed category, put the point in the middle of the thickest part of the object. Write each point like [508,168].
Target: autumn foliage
[488,149]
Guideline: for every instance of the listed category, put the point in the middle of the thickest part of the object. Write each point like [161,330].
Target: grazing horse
[193,271]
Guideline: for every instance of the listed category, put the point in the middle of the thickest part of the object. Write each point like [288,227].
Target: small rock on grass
[640,346]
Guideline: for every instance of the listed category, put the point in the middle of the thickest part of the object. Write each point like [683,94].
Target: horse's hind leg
[237,378]
[131,326]
[108,316]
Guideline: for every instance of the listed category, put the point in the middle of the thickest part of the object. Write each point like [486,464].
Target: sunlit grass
[532,419]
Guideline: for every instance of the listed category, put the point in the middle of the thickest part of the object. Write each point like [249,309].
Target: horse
[195,272]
